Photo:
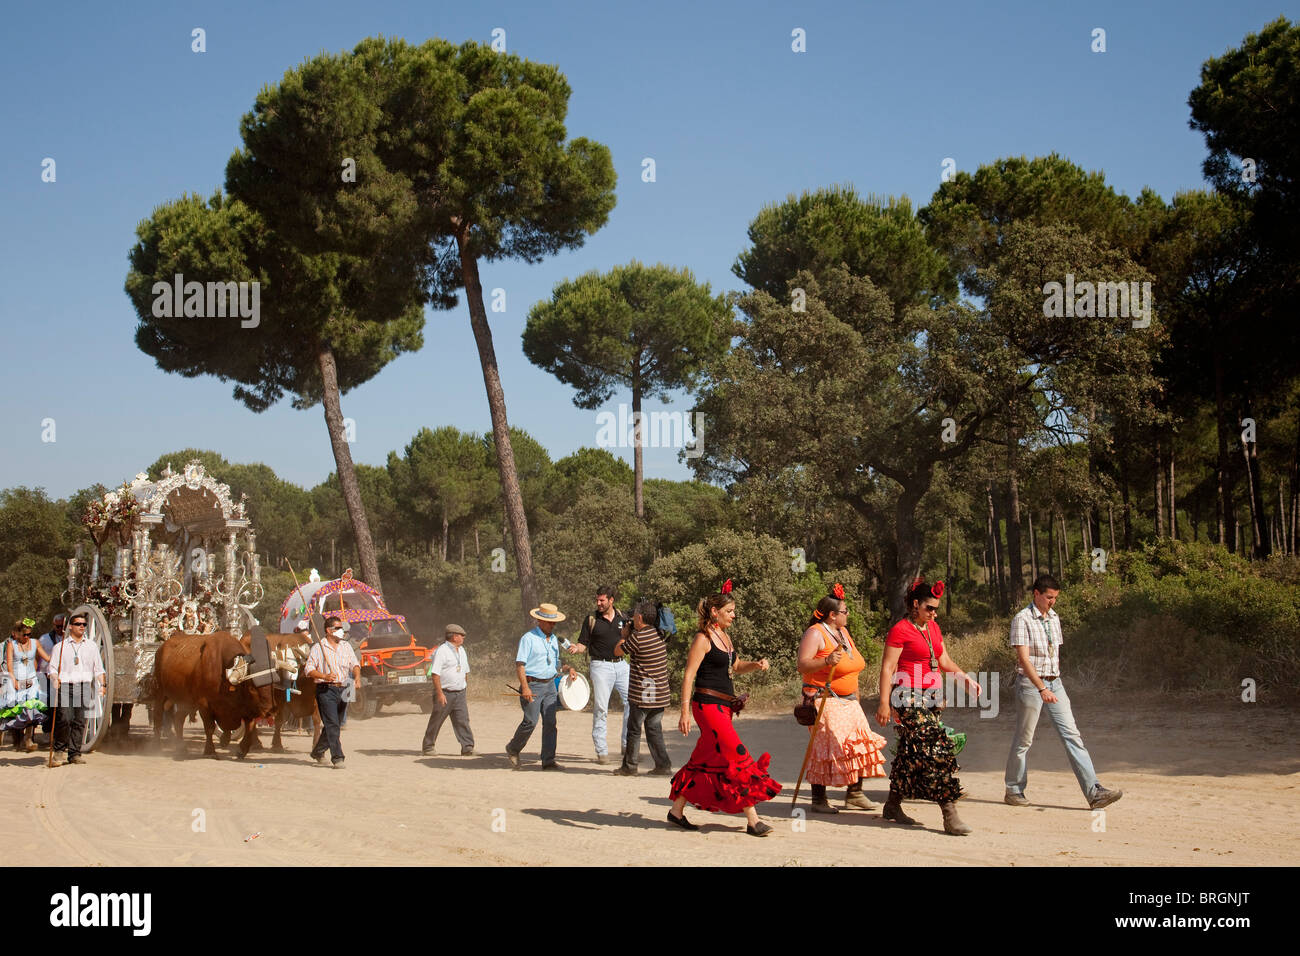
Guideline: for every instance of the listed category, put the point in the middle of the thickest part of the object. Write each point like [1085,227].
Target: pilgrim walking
[721,776]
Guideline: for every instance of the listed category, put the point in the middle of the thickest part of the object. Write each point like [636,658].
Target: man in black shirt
[601,633]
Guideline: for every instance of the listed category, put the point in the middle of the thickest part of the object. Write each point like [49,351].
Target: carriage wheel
[97,630]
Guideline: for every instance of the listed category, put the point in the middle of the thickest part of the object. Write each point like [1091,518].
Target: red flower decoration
[838,591]
[937,590]
[918,582]
[726,586]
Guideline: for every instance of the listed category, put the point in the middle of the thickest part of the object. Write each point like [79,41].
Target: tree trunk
[1294,486]
[947,574]
[1015,560]
[1110,514]
[910,545]
[1224,515]
[477,552]
[1033,544]
[334,565]
[442,547]
[1283,544]
[1127,510]
[1160,487]
[1255,488]
[1051,544]
[1173,507]
[1065,545]
[638,472]
[996,551]
[514,502]
[346,471]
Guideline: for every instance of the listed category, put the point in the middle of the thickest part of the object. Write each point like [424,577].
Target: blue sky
[712,92]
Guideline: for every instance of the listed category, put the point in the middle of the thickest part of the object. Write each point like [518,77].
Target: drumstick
[812,733]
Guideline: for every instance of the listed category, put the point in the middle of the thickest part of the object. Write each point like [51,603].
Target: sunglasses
[932,608]
[77,624]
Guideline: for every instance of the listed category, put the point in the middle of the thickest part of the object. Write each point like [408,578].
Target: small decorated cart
[183,559]
[394,665]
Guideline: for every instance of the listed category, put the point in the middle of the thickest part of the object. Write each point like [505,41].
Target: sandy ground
[1212,785]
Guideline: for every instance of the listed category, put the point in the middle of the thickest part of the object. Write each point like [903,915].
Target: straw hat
[547,612]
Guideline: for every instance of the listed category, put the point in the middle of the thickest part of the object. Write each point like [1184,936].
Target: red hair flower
[838,591]
[917,583]
[937,590]
[726,586]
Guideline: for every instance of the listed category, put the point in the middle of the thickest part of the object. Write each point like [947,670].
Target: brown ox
[190,671]
[287,648]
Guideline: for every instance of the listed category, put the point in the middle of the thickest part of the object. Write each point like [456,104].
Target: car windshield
[351,600]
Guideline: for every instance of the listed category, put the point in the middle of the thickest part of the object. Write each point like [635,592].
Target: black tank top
[715,670]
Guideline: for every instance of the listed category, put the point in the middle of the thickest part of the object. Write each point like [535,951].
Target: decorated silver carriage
[183,559]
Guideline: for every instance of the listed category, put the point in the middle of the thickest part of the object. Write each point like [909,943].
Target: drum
[575,692]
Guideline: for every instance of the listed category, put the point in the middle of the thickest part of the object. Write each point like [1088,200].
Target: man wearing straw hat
[537,663]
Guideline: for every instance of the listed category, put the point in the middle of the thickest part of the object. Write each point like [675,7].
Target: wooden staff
[311,622]
[812,733]
[54,723]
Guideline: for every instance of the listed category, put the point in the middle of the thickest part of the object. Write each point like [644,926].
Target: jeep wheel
[366,706]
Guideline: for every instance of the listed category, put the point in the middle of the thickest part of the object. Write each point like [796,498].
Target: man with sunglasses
[1036,637]
[74,673]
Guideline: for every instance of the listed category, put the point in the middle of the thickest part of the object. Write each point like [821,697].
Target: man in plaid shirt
[1036,637]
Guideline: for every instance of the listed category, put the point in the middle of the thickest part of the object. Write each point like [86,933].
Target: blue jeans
[544,704]
[1029,704]
[329,701]
[607,676]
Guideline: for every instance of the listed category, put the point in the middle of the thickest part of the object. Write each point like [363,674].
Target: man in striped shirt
[1036,636]
[329,664]
[648,692]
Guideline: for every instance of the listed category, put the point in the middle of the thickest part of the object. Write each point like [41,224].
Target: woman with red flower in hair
[721,775]
[844,747]
[925,765]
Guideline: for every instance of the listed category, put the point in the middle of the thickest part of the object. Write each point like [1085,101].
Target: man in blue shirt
[537,662]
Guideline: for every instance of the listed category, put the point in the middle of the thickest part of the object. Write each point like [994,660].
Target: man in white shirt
[328,665]
[76,676]
[449,669]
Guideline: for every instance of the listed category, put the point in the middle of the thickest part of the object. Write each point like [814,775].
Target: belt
[608,660]
[1056,677]
[540,679]
[458,690]
[709,692]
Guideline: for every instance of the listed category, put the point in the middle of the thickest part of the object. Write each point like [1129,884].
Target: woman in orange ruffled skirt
[844,749]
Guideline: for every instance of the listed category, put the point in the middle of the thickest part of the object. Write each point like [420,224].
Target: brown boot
[855,799]
[951,822]
[819,802]
[29,745]
[894,810]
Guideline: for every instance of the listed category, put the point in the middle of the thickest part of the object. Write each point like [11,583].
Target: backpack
[666,624]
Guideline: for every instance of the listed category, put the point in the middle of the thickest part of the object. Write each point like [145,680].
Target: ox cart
[183,559]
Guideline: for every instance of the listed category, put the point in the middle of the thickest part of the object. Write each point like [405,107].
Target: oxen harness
[281,667]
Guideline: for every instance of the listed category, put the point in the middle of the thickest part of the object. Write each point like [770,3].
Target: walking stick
[54,724]
[812,733]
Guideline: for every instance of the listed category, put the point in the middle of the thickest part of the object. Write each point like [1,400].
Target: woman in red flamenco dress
[721,775]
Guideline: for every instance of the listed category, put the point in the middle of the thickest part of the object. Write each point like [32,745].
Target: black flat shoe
[681,822]
[758,829]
